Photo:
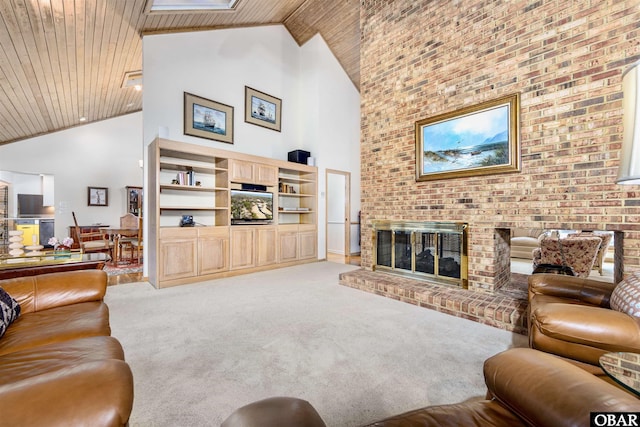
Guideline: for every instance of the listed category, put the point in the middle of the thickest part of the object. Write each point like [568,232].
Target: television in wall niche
[251,207]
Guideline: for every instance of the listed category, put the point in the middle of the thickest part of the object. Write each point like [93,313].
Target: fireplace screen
[402,250]
[425,253]
[436,250]
[383,248]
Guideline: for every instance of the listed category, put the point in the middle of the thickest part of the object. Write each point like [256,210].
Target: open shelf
[181,187]
[192,208]
[183,166]
[215,246]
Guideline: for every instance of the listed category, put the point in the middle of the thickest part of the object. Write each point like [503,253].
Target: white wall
[101,154]
[320,105]
[217,65]
[334,138]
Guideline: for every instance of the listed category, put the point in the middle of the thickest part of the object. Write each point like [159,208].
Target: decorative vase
[61,252]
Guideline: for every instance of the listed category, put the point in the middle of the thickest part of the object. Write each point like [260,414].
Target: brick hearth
[503,309]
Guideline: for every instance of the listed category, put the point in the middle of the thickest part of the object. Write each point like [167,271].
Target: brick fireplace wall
[565,58]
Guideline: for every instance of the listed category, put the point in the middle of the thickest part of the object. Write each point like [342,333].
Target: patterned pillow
[9,311]
[626,296]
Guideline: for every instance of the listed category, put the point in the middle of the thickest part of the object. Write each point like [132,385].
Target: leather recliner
[525,387]
[571,317]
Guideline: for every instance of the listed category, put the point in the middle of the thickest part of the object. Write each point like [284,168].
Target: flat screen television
[249,206]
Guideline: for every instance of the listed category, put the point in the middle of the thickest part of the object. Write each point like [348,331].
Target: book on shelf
[286,188]
[186,178]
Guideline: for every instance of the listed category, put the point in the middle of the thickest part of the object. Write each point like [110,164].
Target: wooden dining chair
[136,243]
[92,240]
[127,221]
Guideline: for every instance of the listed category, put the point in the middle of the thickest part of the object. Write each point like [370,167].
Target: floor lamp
[629,172]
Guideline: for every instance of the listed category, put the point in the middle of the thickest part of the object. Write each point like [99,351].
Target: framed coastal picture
[479,140]
[262,109]
[207,119]
[98,196]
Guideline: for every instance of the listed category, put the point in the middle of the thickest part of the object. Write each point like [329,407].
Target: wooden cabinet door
[242,247]
[308,244]
[177,259]
[242,171]
[288,246]
[253,173]
[267,246]
[213,255]
[265,174]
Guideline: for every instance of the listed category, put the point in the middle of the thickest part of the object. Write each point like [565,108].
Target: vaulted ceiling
[62,62]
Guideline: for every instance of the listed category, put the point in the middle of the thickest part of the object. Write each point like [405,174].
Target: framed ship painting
[262,109]
[207,119]
[479,140]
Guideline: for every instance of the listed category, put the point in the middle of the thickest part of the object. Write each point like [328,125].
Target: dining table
[115,235]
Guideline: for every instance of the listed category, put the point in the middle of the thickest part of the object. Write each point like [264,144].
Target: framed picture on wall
[481,139]
[98,196]
[261,109]
[207,119]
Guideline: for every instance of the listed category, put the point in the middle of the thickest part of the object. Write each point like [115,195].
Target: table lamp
[629,172]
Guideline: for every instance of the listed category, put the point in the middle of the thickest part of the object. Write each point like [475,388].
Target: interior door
[338,213]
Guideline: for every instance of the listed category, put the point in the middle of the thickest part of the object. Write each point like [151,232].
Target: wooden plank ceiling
[62,60]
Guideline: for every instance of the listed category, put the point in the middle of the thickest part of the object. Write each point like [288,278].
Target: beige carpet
[199,351]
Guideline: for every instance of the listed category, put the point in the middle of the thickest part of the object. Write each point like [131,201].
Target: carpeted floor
[200,351]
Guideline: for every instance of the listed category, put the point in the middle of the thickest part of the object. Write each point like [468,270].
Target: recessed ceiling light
[132,79]
[190,5]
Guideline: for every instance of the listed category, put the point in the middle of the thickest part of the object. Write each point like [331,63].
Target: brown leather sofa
[526,387]
[58,363]
[571,317]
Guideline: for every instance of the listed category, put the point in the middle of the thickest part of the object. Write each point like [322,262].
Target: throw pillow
[626,296]
[9,311]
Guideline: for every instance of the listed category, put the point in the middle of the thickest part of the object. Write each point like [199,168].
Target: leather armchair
[525,388]
[571,317]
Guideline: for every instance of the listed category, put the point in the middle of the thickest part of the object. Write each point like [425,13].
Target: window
[190,5]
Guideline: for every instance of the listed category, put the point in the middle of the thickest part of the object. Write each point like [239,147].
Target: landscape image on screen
[251,205]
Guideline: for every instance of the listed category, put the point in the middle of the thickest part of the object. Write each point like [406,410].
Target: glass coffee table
[49,262]
[624,368]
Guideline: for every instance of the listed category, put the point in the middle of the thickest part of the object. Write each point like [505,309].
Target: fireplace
[434,251]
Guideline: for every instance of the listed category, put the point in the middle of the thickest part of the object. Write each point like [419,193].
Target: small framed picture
[207,119]
[262,109]
[98,196]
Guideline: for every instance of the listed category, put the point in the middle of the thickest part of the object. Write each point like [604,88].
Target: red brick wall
[566,58]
